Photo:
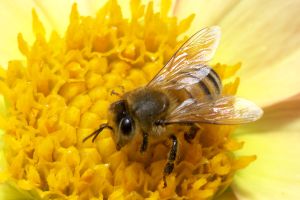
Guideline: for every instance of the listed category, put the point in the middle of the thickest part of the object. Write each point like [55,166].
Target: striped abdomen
[208,87]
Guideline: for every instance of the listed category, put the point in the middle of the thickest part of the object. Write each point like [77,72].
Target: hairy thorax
[147,106]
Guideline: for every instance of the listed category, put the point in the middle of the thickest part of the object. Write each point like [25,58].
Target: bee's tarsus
[96,132]
[171,159]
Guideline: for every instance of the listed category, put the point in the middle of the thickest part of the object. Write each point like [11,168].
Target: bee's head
[122,122]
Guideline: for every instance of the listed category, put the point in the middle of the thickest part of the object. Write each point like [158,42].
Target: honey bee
[185,91]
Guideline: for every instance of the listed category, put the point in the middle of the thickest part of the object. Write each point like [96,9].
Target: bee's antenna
[113,92]
[97,132]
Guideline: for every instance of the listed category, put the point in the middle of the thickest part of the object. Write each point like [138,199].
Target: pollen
[61,93]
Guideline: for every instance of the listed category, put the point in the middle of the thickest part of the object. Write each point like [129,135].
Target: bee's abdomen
[214,82]
[210,86]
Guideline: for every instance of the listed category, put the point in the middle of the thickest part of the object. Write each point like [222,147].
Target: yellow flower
[60,95]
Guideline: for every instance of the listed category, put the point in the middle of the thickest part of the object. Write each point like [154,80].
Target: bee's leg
[189,136]
[171,158]
[144,143]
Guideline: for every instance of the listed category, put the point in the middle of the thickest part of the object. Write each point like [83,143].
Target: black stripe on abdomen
[204,88]
[215,80]
[209,86]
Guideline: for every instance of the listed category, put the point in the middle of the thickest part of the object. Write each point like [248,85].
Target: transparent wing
[188,65]
[222,110]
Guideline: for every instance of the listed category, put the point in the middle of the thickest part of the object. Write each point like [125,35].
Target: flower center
[62,92]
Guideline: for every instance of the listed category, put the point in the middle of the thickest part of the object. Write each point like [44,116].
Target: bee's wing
[188,64]
[222,110]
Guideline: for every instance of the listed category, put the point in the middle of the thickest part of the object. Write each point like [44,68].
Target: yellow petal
[275,173]
[57,12]
[54,15]
[277,116]
[267,43]
[272,83]
[20,19]
[12,192]
[2,155]
[208,12]
[253,32]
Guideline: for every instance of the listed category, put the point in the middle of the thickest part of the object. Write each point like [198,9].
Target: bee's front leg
[171,158]
[144,143]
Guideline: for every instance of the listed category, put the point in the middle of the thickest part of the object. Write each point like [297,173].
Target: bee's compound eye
[126,125]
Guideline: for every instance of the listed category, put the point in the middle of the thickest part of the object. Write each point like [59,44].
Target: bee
[185,91]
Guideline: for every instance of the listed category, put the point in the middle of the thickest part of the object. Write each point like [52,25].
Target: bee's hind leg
[144,143]
[171,158]
[190,135]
